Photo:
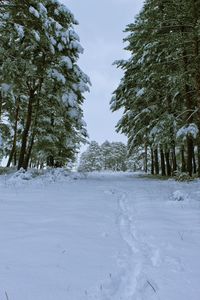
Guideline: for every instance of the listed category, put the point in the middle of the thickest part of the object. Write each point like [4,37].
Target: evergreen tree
[118,156]
[159,91]
[41,85]
[108,156]
[106,149]
[91,159]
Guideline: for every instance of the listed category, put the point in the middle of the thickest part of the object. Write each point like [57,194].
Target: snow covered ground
[104,237]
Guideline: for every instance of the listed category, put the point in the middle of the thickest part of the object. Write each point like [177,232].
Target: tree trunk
[1,104]
[21,163]
[198,157]
[32,139]
[156,161]
[28,155]
[197,78]
[50,161]
[145,158]
[194,162]
[13,150]
[162,159]
[190,107]
[190,149]
[183,162]
[152,162]
[31,164]
[168,165]
[174,161]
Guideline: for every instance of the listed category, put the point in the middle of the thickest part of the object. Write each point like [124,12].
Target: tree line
[41,85]
[109,156]
[160,89]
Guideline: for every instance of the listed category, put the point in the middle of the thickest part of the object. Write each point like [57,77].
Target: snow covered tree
[41,84]
[118,156]
[91,159]
[136,161]
[159,91]
[114,156]
[106,149]
[108,156]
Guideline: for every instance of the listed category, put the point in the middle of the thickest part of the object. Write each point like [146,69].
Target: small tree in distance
[110,156]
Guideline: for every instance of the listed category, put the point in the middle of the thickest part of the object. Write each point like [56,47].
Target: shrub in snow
[36,172]
[182,176]
[61,175]
[20,175]
[179,196]
[57,174]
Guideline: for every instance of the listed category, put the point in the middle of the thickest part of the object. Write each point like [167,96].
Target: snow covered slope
[103,237]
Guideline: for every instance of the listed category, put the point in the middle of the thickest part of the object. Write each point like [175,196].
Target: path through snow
[104,237]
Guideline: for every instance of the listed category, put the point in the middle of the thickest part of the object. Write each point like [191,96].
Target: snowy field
[103,237]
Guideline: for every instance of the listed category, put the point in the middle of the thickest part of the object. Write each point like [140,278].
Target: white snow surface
[98,236]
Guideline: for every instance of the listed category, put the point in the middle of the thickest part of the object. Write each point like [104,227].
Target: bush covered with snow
[22,175]
[56,174]
[51,175]
[182,176]
[179,196]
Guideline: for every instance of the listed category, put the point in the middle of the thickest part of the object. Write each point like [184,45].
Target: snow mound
[179,196]
[53,175]
[20,176]
[42,177]
[61,175]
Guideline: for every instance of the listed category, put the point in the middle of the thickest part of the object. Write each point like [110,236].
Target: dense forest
[160,89]
[41,84]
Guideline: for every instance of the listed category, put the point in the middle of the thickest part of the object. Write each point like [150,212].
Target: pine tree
[44,82]
[91,159]
[159,90]
[108,156]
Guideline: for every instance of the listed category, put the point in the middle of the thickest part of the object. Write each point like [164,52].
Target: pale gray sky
[101,25]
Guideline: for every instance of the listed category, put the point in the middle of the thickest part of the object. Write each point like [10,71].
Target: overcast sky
[101,25]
